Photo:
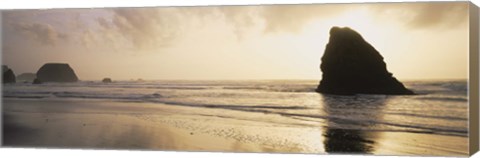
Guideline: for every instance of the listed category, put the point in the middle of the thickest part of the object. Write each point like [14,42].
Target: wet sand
[143,126]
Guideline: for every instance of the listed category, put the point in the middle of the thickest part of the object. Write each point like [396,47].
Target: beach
[103,124]
[352,79]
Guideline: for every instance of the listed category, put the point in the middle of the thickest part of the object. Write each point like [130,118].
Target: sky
[417,40]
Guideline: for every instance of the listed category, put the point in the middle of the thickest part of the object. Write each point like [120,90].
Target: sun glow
[359,19]
[308,45]
[363,22]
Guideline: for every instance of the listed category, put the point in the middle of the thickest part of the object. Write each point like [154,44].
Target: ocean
[441,107]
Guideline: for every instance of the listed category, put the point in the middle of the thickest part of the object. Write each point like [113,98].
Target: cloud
[88,39]
[424,15]
[241,18]
[440,14]
[145,28]
[152,29]
[104,23]
[292,18]
[42,33]
[75,23]
[128,29]
[275,18]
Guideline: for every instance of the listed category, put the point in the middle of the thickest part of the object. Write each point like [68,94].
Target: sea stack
[350,65]
[107,80]
[56,72]
[8,75]
[36,81]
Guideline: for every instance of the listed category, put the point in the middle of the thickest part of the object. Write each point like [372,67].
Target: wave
[440,98]
[274,88]
[83,95]
[335,119]
[285,99]
[430,116]
[365,123]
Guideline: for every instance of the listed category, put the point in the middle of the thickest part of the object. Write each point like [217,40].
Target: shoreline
[138,126]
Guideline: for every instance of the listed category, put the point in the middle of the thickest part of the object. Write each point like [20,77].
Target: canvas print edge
[474,79]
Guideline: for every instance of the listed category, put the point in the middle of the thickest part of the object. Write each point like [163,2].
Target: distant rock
[8,75]
[4,68]
[26,77]
[107,80]
[56,72]
[350,65]
[36,81]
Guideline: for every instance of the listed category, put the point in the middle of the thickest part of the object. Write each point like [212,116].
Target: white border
[45,4]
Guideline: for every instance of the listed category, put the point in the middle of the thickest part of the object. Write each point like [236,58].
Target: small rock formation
[36,81]
[350,65]
[107,80]
[26,77]
[4,68]
[56,72]
[8,75]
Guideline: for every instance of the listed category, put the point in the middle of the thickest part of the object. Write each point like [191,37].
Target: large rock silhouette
[8,75]
[350,65]
[56,72]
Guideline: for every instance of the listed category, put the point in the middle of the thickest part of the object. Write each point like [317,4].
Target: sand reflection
[341,134]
